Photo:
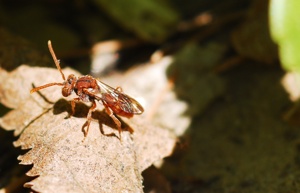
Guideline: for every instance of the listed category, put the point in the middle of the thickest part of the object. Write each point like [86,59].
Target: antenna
[58,67]
[56,61]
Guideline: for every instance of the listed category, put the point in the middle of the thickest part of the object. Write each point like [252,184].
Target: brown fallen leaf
[155,182]
[61,161]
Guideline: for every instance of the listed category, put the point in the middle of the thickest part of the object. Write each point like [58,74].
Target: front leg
[73,103]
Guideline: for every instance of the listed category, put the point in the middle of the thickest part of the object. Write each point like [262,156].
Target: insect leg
[89,117]
[73,103]
[114,118]
[108,110]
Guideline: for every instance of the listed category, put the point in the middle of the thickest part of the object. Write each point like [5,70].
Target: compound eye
[66,91]
[71,79]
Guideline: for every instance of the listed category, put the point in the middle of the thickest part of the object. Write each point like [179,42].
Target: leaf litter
[62,161]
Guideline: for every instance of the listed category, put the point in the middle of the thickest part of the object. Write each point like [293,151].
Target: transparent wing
[114,97]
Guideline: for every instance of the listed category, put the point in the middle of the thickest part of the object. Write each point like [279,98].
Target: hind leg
[114,118]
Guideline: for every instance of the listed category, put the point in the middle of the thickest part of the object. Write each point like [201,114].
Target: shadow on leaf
[81,110]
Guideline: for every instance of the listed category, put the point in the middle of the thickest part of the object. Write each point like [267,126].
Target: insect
[90,89]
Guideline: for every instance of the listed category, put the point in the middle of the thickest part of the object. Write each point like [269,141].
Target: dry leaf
[155,182]
[62,162]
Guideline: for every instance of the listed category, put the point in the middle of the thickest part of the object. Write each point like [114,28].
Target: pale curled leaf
[15,93]
[66,164]
[145,142]
[62,162]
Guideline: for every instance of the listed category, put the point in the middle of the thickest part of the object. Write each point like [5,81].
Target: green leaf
[285,30]
[150,20]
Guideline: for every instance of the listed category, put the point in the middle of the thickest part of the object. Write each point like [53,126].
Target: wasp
[90,89]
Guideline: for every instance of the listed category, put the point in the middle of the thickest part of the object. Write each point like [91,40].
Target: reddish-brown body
[89,89]
[81,84]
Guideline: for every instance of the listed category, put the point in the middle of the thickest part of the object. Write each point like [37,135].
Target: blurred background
[221,75]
